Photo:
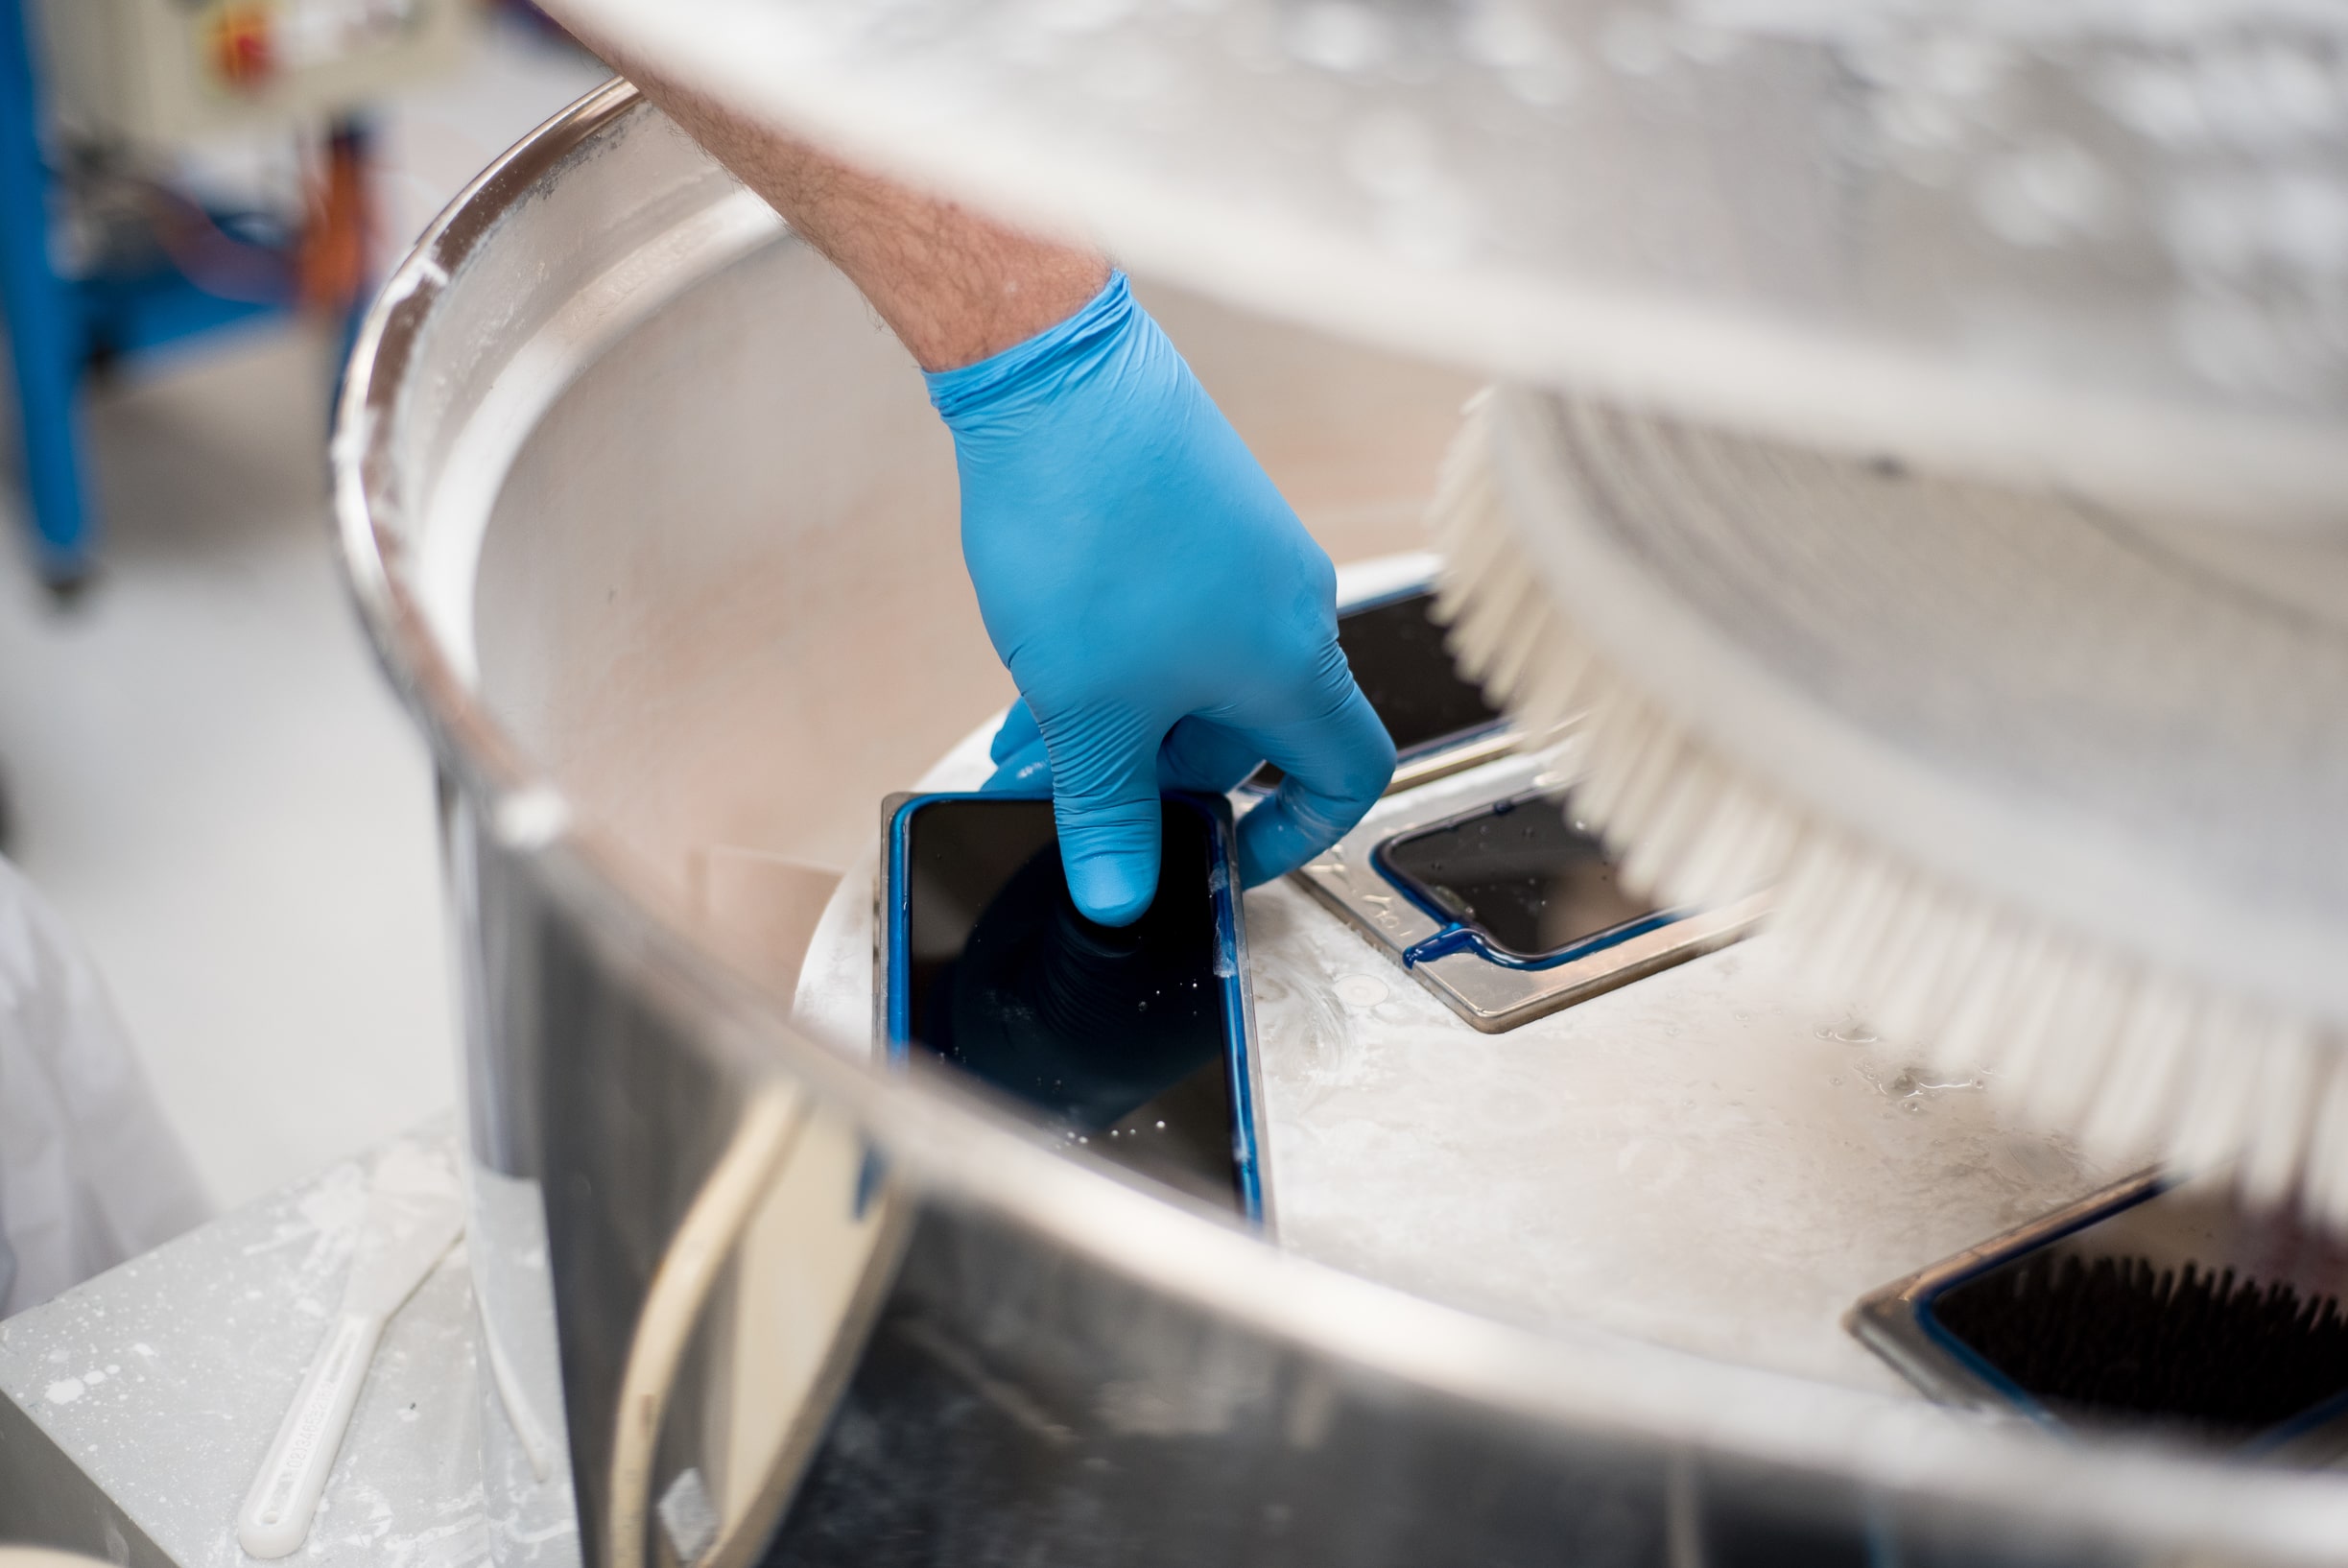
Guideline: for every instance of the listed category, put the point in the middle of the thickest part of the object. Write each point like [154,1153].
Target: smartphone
[1520,881]
[2156,1304]
[1134,1040]
[1438,719]
[1508,911]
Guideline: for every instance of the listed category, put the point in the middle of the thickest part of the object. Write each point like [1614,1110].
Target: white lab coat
[90,1172]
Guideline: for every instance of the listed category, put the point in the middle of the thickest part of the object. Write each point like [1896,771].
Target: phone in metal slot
[1506,911]
[1438,719]
[1516,881]
[1134,1040]
[2159,1305]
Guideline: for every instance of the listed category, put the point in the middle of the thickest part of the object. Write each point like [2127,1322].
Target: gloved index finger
[1338,764]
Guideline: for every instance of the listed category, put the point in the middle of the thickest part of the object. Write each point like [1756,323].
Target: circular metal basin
[653,529]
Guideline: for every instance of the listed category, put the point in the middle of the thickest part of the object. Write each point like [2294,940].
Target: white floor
[210,777]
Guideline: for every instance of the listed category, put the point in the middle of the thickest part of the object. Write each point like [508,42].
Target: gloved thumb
[1104,796]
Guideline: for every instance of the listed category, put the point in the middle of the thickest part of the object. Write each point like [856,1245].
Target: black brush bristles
[2116,1339]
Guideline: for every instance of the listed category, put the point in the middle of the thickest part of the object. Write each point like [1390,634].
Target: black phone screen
[1117,1034]
[1399,660]
[1519,873]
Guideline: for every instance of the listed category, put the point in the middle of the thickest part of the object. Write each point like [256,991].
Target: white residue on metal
[164,1380]
[1709,1158]
[420,274]
[1190,1406]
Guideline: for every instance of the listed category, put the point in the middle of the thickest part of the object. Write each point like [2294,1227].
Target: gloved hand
[1167,620]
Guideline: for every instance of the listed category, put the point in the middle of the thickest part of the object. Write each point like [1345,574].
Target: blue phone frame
[1239,1053]
[1460,935]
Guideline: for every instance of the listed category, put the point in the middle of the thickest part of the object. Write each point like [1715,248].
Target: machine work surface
[1712,1157]
[161,1383]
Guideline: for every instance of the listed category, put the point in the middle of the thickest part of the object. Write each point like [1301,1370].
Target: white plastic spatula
[414,1209]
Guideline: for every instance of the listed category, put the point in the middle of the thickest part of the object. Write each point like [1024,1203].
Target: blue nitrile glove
[1167,620]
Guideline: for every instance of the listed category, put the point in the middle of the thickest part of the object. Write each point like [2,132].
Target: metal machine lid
[2103,246]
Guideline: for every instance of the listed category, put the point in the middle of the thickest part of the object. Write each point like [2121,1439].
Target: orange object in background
[331,264]
[240,38]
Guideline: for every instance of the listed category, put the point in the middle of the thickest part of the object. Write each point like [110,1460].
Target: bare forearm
[954,286]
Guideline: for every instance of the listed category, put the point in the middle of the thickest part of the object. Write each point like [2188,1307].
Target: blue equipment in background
[48,343]
[60,326]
